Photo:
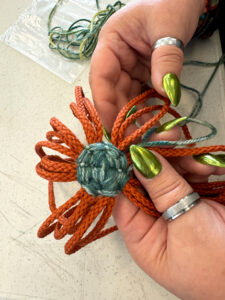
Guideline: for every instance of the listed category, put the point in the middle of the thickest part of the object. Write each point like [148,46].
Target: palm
[165,251]
[121,61]
[117,72]
[120,64]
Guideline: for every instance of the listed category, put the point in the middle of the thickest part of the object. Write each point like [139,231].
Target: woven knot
[102,169]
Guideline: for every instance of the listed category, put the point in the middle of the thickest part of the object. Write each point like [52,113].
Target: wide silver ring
[168,41]
[181,207]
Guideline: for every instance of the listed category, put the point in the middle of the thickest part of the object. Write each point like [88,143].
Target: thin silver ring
[168,41]
[181,207]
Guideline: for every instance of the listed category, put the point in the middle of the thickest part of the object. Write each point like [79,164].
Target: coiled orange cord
[76,215]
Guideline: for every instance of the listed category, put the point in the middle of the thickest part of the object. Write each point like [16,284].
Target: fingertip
[166,67]
[163,184]
[173,134]
[189,165]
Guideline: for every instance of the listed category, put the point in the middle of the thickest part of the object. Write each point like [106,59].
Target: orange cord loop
[76,216]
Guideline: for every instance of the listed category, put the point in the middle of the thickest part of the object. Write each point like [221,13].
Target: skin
[185,256]
[123,61]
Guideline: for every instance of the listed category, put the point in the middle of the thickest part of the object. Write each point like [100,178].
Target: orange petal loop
[76,216]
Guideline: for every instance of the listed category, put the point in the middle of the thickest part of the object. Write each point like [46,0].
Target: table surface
[33,268]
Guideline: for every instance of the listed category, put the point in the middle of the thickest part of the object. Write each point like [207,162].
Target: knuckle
[168,54]
[169,192]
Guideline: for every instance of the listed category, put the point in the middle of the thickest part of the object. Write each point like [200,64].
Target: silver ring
[168,41]
[181,207]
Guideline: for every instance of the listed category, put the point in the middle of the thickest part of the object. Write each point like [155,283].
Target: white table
[32,268]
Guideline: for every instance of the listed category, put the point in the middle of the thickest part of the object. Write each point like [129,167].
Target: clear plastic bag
[29,34]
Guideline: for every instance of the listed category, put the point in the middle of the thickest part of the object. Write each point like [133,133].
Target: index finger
[104,74]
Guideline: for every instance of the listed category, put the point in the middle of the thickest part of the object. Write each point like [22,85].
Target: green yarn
[213,132]
[102,169]
[80,39]
[198,105]
[195,110]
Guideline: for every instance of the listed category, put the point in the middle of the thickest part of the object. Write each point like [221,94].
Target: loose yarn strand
[197,107]
[195,110]
[186,142]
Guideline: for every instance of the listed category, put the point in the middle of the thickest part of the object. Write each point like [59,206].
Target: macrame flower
[103,169]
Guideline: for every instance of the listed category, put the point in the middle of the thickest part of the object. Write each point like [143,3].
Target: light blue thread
[147,134]
[102,169]
[186,142]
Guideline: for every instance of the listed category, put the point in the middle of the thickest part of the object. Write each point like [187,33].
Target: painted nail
[131,111]
[145,161]
[106,134]
[170,124]
[211,159]
[171,86]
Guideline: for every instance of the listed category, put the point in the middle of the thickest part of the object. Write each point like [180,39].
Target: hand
[187,255]
[123,61]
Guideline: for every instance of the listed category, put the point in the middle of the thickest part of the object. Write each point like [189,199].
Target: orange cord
[76,216]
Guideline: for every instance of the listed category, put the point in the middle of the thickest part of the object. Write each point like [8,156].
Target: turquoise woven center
[102,169]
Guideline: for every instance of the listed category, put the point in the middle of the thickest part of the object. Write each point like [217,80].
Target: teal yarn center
[102,169]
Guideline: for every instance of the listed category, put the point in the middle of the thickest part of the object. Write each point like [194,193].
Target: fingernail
[106,134]
[171,86]
[211,159]
[145,161]
[170,124]
[131,112]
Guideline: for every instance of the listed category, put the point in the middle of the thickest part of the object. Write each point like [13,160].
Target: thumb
[163,184]
[166,66]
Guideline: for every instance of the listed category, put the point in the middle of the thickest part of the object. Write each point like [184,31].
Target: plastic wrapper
[29,34]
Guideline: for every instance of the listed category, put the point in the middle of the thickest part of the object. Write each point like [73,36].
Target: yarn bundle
[104,169]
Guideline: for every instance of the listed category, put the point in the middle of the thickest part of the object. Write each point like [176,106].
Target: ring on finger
[181,207]
[168,41]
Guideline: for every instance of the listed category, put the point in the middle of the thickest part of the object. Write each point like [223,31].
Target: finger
[195,171]
[112,87]
[171,135]
[166,66]
[168,59]
[146,237]
[104,73]
[132,222]
[162,182]
[194,168]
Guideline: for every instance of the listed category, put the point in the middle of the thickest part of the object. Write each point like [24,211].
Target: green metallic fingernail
[145,161]
[170,124]
[106,134]
[211,159]
[171,86]
[131,112]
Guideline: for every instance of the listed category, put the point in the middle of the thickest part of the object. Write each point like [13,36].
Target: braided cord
[76,216]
